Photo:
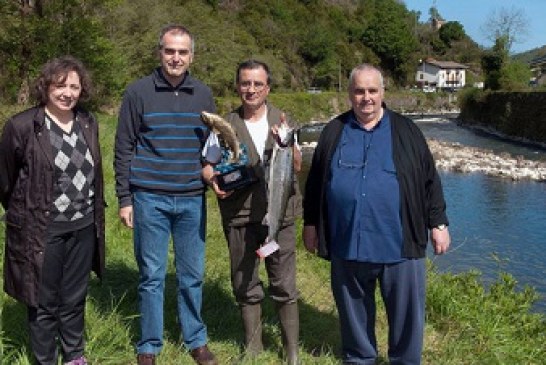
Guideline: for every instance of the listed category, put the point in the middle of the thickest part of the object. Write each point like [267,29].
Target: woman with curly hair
[51,187]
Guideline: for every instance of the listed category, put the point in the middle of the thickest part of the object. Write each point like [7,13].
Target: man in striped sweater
[160,191]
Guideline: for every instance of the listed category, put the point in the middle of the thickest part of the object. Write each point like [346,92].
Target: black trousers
[61,308]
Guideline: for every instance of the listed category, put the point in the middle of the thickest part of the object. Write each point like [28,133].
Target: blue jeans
[156,218]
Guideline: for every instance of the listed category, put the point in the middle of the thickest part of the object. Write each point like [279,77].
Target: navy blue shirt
[363,195]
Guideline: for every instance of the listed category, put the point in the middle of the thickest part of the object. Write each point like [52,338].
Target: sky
[473,15]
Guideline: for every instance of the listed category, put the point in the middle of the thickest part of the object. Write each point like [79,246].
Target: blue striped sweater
[160,136]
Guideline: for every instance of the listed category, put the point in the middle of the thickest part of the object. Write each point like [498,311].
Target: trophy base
[238,178]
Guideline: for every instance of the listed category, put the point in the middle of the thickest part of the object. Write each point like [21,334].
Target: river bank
[456,157]
[451,156]
[519,115]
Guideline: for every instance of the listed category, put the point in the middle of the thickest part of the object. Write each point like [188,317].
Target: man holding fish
[258,219]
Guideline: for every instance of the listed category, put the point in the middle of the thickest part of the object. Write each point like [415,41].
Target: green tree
[21,47]
[438,46]
[451,31]
[492,63]
[515,76]
[390,36]
[317,44]
[36,31]
[502,73]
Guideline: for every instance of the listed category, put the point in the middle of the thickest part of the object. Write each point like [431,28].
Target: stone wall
[519,115]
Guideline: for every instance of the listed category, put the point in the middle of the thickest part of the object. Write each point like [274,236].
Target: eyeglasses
[258,85]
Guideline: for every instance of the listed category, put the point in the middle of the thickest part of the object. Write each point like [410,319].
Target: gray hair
[366,67]
[175,29]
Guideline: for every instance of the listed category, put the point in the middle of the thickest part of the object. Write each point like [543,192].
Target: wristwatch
[441,227]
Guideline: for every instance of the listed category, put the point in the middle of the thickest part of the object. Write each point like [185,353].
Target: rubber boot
[290,330]
[252,323]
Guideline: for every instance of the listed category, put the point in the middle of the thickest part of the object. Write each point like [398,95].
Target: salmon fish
[280,183]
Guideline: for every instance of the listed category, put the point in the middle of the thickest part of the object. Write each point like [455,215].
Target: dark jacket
[26,188]
[249,205]
[422,204]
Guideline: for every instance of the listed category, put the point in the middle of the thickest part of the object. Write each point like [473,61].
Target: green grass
[466,323]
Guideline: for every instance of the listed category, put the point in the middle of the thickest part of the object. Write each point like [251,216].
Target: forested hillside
[531,54]
[306,42]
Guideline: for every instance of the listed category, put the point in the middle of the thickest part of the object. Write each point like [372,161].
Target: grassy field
[466,323]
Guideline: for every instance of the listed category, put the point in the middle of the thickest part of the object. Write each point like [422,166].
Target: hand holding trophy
[232,172]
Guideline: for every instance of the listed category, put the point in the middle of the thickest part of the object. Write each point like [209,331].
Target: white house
[433,74]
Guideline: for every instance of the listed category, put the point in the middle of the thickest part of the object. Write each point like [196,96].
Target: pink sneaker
[79,361]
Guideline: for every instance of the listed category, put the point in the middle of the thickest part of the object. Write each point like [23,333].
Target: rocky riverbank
[458,158]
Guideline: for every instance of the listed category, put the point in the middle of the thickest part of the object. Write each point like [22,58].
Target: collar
[80,115]
[354,123]
[161,82]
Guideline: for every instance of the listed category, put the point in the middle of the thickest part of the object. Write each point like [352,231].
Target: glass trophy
[234,175]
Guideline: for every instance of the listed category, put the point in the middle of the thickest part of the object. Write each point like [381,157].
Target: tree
[492,63]
[515,76]
[501,73]
[32,32]
[434,13]
[452,31]
[17,41]
[390,36]
[317,44]
[511,24]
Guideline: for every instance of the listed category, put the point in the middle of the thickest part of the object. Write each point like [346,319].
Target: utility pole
[339,76]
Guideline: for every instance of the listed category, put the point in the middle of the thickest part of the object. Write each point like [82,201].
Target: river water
[496,225]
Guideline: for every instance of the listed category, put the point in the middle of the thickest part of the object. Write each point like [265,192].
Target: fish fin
[265,221]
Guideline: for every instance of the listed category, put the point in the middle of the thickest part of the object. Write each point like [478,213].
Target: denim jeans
[157,218]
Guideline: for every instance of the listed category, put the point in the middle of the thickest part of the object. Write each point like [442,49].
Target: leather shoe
[203,356]
[146,359]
